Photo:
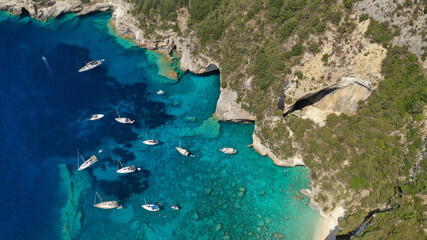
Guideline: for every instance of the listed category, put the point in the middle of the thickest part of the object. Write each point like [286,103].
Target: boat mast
[81,54]
[96,194]
[78,157]
[118,114]
[146,137]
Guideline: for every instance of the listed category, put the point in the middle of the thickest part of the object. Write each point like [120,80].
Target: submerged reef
[74,186]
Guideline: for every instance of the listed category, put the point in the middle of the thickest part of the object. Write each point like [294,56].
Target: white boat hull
[124,120]
[183,151]
[107,205]
[129,169]
[90,65]
[96,117]
[228,150]
[150,142]
[93,159]
[151,207]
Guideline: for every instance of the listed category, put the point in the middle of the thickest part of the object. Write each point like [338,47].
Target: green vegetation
[380,33]
[371,152]
[378,159]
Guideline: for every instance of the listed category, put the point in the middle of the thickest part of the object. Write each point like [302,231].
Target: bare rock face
[410,34]
[227,109]
[125,25]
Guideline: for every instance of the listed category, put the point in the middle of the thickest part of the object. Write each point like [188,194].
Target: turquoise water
[243,196]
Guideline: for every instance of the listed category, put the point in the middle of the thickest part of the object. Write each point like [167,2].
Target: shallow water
[45,103]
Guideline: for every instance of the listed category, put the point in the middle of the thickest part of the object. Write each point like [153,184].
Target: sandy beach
[327,224]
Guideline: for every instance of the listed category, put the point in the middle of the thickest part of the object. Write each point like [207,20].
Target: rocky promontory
[124,23]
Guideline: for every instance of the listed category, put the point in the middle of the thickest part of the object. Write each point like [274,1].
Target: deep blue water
[44,106]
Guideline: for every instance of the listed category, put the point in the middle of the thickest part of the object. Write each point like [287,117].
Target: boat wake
[46,63]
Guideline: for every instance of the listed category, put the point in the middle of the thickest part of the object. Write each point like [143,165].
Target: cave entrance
[24,12]
[309,99]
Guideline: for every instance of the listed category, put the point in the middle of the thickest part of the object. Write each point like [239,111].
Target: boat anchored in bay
[123,120]
[150,141]
[129,169]
[183,151]
[105,205]
[93,159]
[150,207]
[96,117]
[228,150]
[89,65]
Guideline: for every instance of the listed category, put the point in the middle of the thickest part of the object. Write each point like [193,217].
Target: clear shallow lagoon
[44,107]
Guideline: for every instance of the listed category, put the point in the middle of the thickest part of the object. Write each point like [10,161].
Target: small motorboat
[150,207]
[129,169]
[123,120]
[160,92]
[105,205]
[93,159]
[95,117]
[175,207]
[228,150]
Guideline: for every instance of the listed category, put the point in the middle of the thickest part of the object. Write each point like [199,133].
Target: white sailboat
[228,150]
[150,141]
[89,65]
[150,207]
[123,120]
[183,151]
[128,169]
[105,205]
[93,159]
[95,117]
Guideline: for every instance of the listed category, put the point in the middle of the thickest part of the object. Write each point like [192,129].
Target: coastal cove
[45,104]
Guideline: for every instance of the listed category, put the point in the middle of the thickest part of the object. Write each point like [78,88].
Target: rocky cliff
[125,25]
[277,74]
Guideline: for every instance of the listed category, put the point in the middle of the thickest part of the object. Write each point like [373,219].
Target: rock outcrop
[293,161]
[227,109]
[125,25]
[410,34]
[342,97]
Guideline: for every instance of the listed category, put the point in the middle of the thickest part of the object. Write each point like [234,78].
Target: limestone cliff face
[124,24]
[411,33]
[227,109]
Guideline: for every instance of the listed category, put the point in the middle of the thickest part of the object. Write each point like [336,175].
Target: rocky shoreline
[126,26]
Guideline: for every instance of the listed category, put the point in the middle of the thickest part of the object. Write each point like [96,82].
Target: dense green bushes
[380,33]
[379,159]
